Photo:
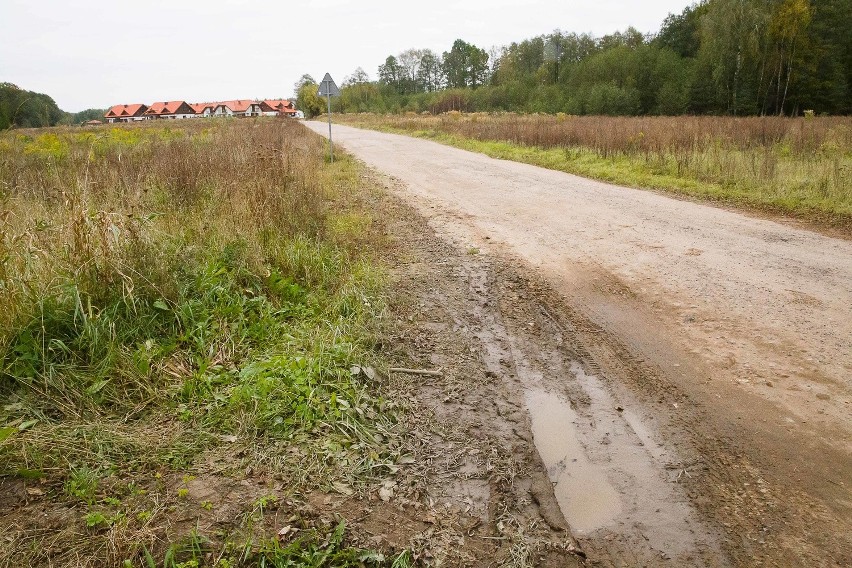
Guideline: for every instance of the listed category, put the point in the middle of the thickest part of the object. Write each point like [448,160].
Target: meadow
[183,307]
[800,167]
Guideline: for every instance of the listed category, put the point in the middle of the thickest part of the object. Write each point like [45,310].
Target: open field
[800,167]
[180,306]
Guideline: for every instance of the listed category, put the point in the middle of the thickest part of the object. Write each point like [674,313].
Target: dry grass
[800,166]
[176,301]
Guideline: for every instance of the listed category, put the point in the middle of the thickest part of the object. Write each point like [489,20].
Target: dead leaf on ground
[284,531]
[342,488]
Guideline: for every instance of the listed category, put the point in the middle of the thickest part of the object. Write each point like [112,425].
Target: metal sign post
[330,143]
[329,89]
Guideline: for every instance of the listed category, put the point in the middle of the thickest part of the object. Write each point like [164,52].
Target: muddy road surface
[685,371]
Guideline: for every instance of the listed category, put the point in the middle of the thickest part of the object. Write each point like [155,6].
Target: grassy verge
[784,166]
[183,308]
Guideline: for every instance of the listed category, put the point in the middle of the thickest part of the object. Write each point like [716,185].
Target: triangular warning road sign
[328,87]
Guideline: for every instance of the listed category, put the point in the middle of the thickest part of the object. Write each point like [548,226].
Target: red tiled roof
[279,104]
[169,107]
[240,105]
[123,110]
[172,107]
[199,107]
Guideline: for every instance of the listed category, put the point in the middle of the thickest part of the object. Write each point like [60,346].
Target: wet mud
[586,497]
[523,435]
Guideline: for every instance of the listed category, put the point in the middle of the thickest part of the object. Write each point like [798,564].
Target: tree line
[20,108]
[733,57]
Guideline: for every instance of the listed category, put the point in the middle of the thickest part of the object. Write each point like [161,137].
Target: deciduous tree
[430,74]
[391,73]
[308,100]
[465,65]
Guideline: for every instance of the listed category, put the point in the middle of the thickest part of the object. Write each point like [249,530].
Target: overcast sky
[92,53]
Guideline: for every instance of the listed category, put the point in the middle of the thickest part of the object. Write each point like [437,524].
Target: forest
[717,57]
[26,109]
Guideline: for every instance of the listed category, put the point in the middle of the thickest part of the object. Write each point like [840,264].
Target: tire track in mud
[499,339]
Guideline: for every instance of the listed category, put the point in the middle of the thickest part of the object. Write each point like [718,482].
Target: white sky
[93,53]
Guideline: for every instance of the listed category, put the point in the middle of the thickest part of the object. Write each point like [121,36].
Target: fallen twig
[424,372]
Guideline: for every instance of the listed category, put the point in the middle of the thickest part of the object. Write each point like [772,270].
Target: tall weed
[180,275]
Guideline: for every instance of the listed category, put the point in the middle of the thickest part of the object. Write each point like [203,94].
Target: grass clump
[313,548]
[163,290]
[785,165]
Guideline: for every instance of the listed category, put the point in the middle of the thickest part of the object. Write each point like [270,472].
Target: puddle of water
[652,505]
[586,497]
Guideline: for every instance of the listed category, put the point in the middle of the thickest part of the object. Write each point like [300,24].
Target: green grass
[313,549]
[174,297]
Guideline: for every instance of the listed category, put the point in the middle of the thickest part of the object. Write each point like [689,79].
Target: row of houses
[183,109]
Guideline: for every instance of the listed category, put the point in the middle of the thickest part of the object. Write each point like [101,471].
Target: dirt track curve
[724,340]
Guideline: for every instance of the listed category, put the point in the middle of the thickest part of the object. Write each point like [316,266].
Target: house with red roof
[125,113]
[182,109]
[203,110]
[241,107]
[170,110]
[279,107]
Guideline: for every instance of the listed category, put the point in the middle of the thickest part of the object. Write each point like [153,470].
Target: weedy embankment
[790,166]
[180,308]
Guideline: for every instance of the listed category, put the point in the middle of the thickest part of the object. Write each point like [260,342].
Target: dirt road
[713,354]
